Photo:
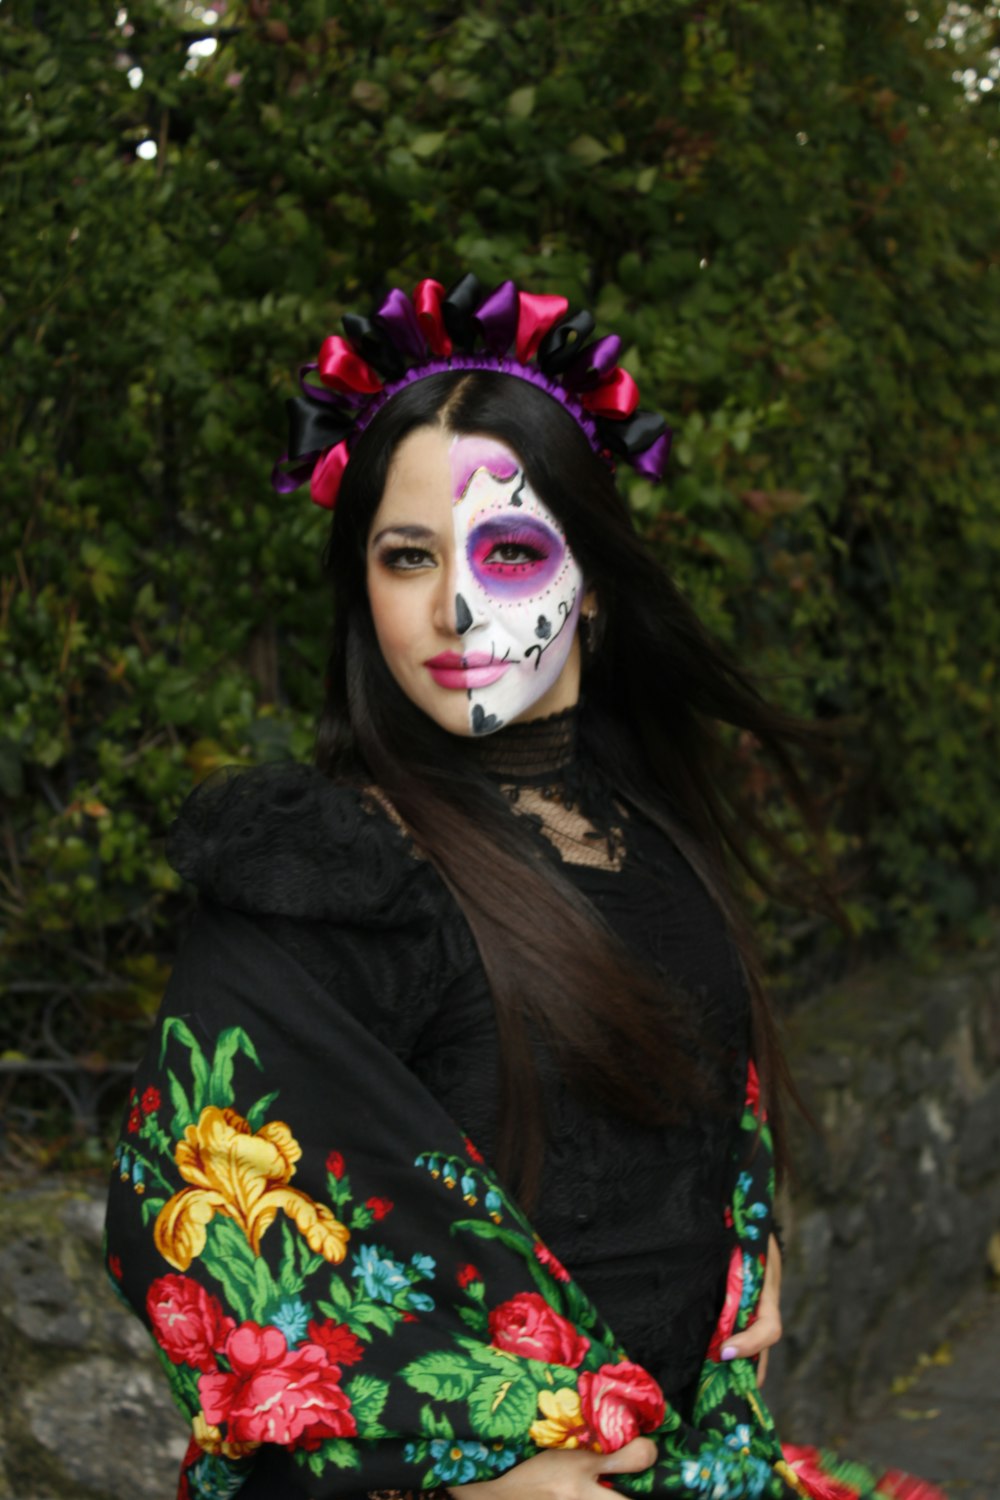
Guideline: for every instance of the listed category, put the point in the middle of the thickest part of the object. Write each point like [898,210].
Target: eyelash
[393,557]
[522,544]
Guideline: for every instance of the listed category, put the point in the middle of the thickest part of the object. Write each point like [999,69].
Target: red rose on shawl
[472,1151]
[468,1274]
[618,1402]
[379,1207]
[343,1347]
[134,1120]
[115,1266]
[528,1326]
[545,1258]
[151,1100]
[753,1087]
[335,1165]
[188,1322]
[276,1394]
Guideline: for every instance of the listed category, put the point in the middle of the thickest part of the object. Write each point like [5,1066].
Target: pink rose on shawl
[188,1322]
[805,1465]
[528,1326]
[274,1394]
[619,1402]
[730,1307]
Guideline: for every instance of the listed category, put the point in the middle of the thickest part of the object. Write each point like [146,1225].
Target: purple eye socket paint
[514,558]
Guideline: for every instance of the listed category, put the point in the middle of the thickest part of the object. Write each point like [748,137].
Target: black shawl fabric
[344,1297]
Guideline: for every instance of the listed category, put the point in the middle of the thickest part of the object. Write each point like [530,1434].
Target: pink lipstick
[476,670]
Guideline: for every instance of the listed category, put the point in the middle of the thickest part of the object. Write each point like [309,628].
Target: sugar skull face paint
[475,594]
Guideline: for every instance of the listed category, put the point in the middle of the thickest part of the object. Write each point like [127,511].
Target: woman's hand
[766,1330]
[562,1474]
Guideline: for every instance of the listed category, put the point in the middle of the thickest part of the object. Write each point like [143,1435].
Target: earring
[590,626]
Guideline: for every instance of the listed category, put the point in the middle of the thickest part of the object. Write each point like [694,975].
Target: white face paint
[518,588]
[474,594]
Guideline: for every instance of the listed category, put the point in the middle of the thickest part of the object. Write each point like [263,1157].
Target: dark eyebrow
[411,533]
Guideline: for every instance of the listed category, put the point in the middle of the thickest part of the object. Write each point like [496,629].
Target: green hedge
[791,212]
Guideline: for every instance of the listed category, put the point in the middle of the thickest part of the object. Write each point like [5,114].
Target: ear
[589,606]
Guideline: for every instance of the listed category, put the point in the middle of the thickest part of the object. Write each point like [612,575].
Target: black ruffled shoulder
[284,840]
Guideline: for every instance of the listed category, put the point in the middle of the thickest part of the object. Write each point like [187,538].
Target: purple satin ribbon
[398,317]
[497,318]
[652,464]
[594,363]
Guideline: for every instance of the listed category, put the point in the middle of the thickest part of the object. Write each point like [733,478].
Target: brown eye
[407,559]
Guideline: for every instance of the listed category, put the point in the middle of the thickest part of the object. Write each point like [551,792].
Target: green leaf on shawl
[638,1484]
[476,1319]
[382,1318]
[341,1299]
[446,1376]
[712,1391]
[290,1282]
[151,1207]
[220,1083]
[229,1258]
[182,1109]
[336,1451]
[265,1296]
[367,1396]
[435,1424]
[258,1112]
[503,1406]
[174,1026]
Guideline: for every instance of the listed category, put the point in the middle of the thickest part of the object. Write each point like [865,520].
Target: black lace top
[636,1214]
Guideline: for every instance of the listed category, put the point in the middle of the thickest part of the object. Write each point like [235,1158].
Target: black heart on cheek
[483,723]
[544,628]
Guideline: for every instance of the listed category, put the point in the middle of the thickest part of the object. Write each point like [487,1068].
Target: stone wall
[894,1206]
[896,1197]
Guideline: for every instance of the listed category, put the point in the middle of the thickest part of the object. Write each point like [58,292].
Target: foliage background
[790,211]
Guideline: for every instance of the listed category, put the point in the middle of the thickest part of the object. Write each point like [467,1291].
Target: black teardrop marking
[544,628]
[482,722]
[463,615]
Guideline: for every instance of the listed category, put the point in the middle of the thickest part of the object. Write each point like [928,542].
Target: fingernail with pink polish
[729,1351]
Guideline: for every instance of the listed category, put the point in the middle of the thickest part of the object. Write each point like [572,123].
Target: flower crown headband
[525,334]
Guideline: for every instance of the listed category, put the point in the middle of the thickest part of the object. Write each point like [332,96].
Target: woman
[493,926]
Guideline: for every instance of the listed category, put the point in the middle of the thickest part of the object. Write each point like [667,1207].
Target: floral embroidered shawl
[338,1285]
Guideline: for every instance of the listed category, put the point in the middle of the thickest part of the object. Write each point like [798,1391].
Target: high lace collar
[532,751]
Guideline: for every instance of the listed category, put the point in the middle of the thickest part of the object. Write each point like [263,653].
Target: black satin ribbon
[313,426]
[374,345]
[459,308]
[563,345]
[634,434]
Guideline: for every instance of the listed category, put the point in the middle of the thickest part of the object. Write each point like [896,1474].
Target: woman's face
[474,592]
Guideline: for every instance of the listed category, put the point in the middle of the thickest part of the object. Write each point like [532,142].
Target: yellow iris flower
[562,1424]
[244,1175]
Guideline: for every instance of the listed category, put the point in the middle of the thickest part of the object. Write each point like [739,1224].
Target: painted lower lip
[464,678]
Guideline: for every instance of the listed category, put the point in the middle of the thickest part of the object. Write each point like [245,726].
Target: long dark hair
[658,691]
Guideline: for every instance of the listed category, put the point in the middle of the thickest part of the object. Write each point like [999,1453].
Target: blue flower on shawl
[425,1265]
[291,1319]
[381,1277]
[722,1474]
[457,1462]
[212,1479]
